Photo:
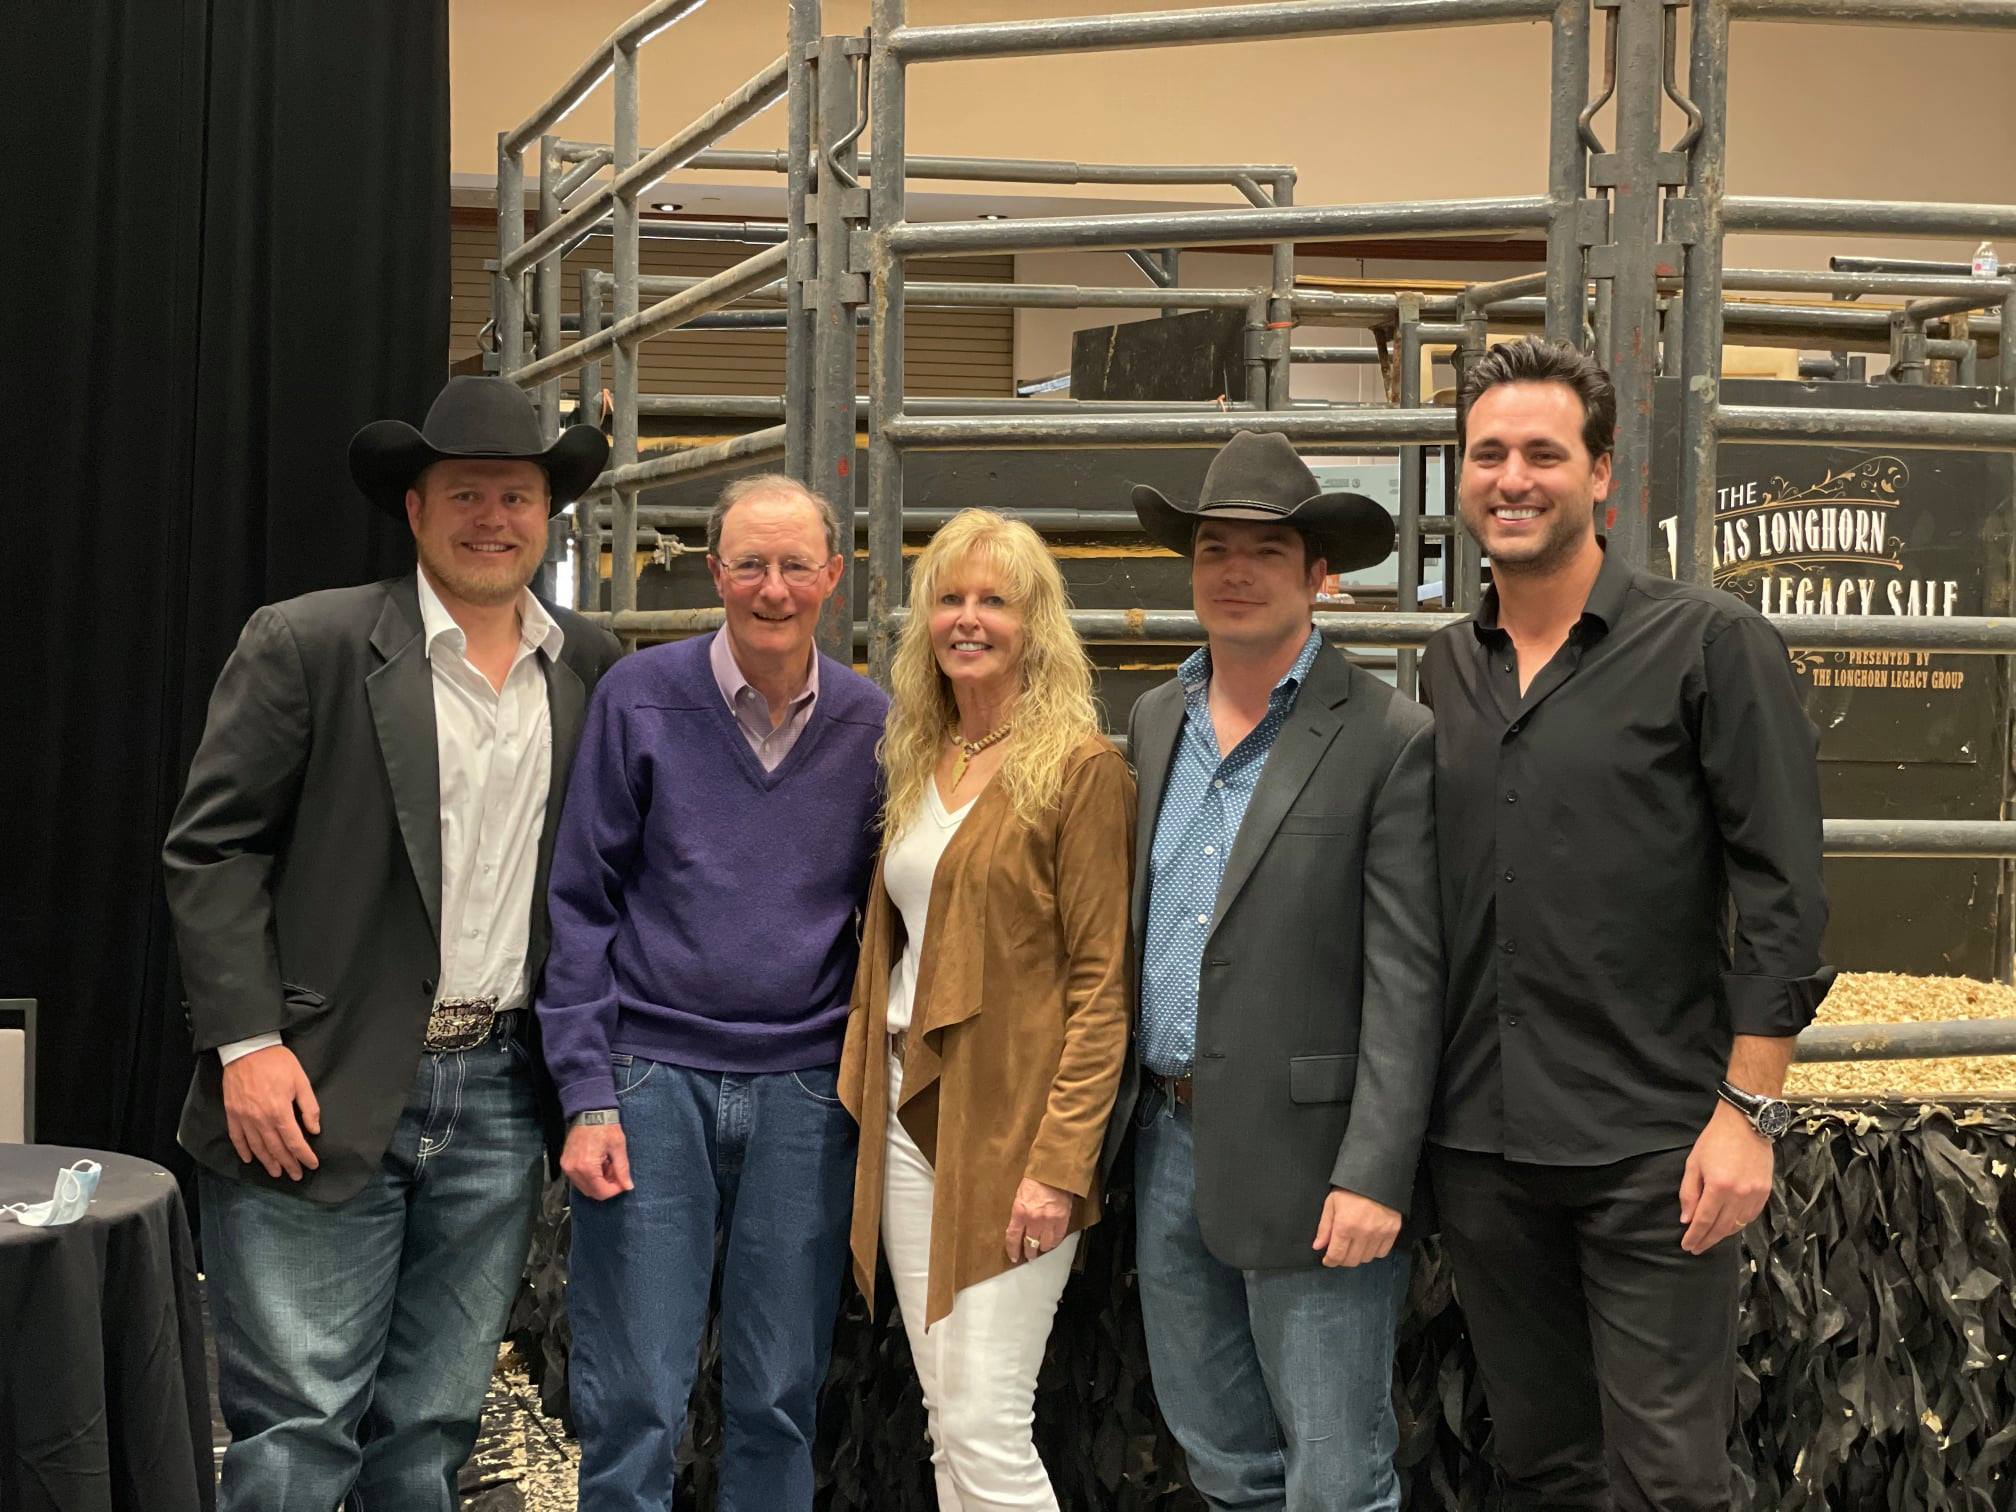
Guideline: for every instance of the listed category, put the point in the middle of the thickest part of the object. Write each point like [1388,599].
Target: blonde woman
[989,1023]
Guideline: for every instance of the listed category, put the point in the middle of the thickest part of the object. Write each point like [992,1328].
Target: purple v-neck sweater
[703,908]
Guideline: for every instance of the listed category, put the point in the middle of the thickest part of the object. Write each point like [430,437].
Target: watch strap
[593,1117]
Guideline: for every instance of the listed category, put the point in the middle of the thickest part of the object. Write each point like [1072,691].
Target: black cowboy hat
[488,418]
[1257,476]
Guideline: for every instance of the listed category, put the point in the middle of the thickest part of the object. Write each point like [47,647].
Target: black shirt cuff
[1774,1006]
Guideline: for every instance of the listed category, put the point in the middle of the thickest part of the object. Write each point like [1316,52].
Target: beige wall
[1879,113]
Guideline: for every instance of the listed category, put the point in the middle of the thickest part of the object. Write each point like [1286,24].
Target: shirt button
[1511,797]
[1218,782]
[1512,1021]
[1210,850]
[1514,730]
[1508,947]
[1203,918]
[1508,874]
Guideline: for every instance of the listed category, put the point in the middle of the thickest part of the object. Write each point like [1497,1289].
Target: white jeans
[977,1365]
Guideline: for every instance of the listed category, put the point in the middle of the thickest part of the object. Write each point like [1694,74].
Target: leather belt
[461,1023]
[1178,1089]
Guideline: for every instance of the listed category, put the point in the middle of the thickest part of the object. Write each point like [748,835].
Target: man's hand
[1041,1213]
[597,1161]
[262,1092]
[1355,1229]
[1727,1181]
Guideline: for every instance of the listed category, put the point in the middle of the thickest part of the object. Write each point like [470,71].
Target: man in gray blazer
[1285,914]
[357,877]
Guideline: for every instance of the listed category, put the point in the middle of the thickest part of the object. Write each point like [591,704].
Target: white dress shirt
[495,750]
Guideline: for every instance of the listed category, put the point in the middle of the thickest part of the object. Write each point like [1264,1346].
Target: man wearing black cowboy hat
[1290,998]
[357,877]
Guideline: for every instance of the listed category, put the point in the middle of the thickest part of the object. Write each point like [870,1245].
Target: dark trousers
[1607,1352]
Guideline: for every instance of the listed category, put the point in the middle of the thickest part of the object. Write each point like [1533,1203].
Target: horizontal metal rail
[1349,355]
[1218,23]
[1806,281]
[668,517]
[705,297]
[990,170]
[1832,427]
[698,461]
[1205,228]
[1986,839]
[1832,217]
[1960,13]
[1835,1043]
[751,100]
[635,32]
[1372,426]
[1983,635]
[766,407]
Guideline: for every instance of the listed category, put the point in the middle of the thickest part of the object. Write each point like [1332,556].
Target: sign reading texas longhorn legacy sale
[1811,531]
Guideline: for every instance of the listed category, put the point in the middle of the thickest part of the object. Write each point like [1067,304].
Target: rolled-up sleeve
[1758,756]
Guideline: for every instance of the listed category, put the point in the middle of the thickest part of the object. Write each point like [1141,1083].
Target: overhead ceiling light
[989,215]
[668,206]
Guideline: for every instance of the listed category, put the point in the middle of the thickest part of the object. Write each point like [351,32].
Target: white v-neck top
[907,873]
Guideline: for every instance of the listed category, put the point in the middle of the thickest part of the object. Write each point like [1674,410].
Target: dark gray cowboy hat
[1257,476]
[490,418]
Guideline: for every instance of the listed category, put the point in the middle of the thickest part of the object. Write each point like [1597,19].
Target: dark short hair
[765,485]
[1531,360]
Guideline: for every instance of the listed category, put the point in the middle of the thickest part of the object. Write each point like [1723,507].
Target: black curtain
[234,253]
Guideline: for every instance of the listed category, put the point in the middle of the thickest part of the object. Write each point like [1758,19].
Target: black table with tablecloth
[103,1402]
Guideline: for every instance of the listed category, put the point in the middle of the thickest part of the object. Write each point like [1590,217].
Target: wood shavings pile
[1885,997]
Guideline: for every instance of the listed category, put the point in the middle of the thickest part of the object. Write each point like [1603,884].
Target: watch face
[1774,1118]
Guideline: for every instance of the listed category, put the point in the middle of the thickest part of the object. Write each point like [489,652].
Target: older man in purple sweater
[717,841]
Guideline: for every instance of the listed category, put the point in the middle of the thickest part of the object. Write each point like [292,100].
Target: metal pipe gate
[1634,229]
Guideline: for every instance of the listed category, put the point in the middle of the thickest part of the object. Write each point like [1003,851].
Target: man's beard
[501,585]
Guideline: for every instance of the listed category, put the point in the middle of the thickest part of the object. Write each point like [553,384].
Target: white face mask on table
[74,1186]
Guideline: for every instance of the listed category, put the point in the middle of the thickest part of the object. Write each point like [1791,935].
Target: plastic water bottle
[1986,263]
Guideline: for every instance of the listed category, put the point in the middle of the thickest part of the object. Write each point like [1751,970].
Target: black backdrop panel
[1903,735]
[241,252]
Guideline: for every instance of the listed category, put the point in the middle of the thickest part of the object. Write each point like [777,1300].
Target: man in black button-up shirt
[1620,758]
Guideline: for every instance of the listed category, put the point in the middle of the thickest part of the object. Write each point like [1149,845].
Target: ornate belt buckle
[460,1023]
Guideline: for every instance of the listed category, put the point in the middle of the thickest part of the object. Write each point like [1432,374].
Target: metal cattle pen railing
[1633,233]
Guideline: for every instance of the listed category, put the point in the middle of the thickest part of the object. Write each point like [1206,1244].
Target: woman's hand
[1036,1227]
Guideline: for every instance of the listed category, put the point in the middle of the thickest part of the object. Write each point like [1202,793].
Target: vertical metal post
[1567,175]
[1701,295]
[885,338]
[835,297]
[546,284]
[587,530]
[507,295]
[1281,307]
[802,36]
[546,287]
[623,359]
[1634,173]
[2005,355]
[1413,483]
[1464,590]
[1257,371]
[1908,358]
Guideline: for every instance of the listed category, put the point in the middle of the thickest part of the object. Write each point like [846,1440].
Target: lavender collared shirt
[752,710]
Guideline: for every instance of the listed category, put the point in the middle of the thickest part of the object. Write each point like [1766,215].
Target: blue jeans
[766,1163]
[1278,1384]
[355,1342]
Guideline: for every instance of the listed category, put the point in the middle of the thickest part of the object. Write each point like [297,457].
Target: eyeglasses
[748,572]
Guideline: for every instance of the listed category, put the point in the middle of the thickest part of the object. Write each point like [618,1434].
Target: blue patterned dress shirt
[1203,804]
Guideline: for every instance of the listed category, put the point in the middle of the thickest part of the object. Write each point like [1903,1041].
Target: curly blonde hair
[1054,710]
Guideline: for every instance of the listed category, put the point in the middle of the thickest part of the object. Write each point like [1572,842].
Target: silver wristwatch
[1769,1116]
[594,1116]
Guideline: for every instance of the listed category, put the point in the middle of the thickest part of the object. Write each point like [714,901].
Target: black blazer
[1319,1012]
[304,864]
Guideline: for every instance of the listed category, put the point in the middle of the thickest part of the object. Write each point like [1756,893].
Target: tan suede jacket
[1019,1029]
